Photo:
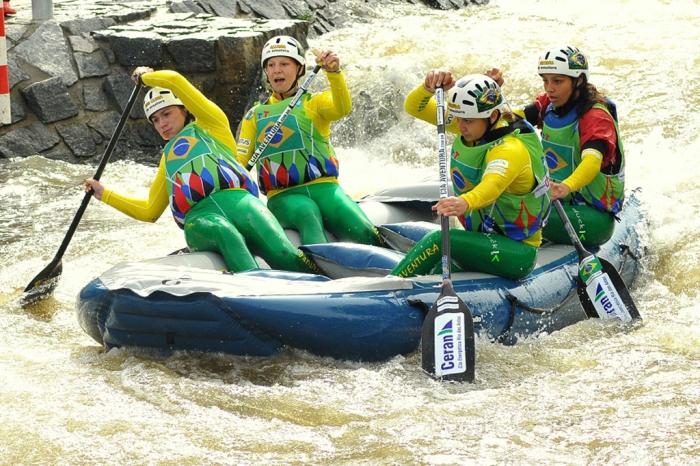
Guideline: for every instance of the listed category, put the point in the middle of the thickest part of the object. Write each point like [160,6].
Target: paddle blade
[43,284]
[602,291]
[448,338]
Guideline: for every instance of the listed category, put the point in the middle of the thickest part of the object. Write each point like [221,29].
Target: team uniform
[583,152]
[211,196]
[504,180]
[298,170]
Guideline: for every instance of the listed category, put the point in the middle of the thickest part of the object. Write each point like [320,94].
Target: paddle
[600,288]
[272,132]
[448,351]
[45,282]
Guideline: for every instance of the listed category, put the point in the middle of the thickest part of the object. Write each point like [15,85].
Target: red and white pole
[5,115]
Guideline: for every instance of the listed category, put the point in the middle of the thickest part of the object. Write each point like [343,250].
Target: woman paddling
[210,194]
[298,170]
[498,173]
[582,145]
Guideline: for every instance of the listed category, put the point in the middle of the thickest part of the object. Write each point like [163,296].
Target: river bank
[69,76]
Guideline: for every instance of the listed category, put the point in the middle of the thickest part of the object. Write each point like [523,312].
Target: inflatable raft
[355,312]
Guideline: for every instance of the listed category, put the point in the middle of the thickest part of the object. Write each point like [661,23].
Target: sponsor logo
[602,297]
[449,338]
[546,62]
[606,300]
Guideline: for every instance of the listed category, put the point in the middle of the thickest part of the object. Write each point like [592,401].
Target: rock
[136,48]
[316,4]
[104,123]
[119,88]
[17,110]
[82,26]
[224,8]
[185,7]
[83,44]
[297,9]
[78,138]
[47,50]
[14,33]
[91,64]
[17,74]
[265,8]
[193,54]
[94,97]
[49,100]
[142,133]
[28,140]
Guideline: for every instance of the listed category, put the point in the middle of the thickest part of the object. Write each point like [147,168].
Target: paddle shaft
[448,349]
[580,250]
[278,124]
[52,267]
[442,160]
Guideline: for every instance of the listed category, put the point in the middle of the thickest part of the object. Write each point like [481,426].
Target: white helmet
[282,46]
[475,96]
[157,98]
[565,60]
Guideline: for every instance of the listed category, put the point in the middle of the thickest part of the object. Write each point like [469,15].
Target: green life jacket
[197,165]
[297,154]
[517,216]
[562,149]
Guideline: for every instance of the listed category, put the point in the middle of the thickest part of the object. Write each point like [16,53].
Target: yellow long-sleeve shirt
[323,108]
[208,116]
[508,165]
[583,174]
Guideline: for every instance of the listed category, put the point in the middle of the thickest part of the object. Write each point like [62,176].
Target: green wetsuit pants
[311,207]
[477,252]
[593,226]
[234,223]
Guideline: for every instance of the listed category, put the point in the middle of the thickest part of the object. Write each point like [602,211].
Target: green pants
[593,226]
[234,223]
[477,252]
[311,208]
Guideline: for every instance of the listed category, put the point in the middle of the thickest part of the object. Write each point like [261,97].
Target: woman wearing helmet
[298,170]
[582,147]
[210,194]
[498,173]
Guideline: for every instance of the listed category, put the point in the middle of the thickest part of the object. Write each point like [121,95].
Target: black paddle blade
[448,338]
[606,295]
[43,284]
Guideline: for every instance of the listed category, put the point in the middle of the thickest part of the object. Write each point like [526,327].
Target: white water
[590,394]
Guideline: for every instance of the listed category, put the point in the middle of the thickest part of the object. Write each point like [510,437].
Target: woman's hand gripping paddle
[600,288]
[448,330]
[45,282]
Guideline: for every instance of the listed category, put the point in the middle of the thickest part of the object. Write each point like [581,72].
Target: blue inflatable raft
[356,312]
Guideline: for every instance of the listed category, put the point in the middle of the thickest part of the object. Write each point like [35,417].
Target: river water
[589,394]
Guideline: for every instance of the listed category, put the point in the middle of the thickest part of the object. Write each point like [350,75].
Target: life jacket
[297,154]
[517,216]
[561,143]
[197,165]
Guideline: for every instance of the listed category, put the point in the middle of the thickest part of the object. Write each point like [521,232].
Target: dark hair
[588,96]
[189,118]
